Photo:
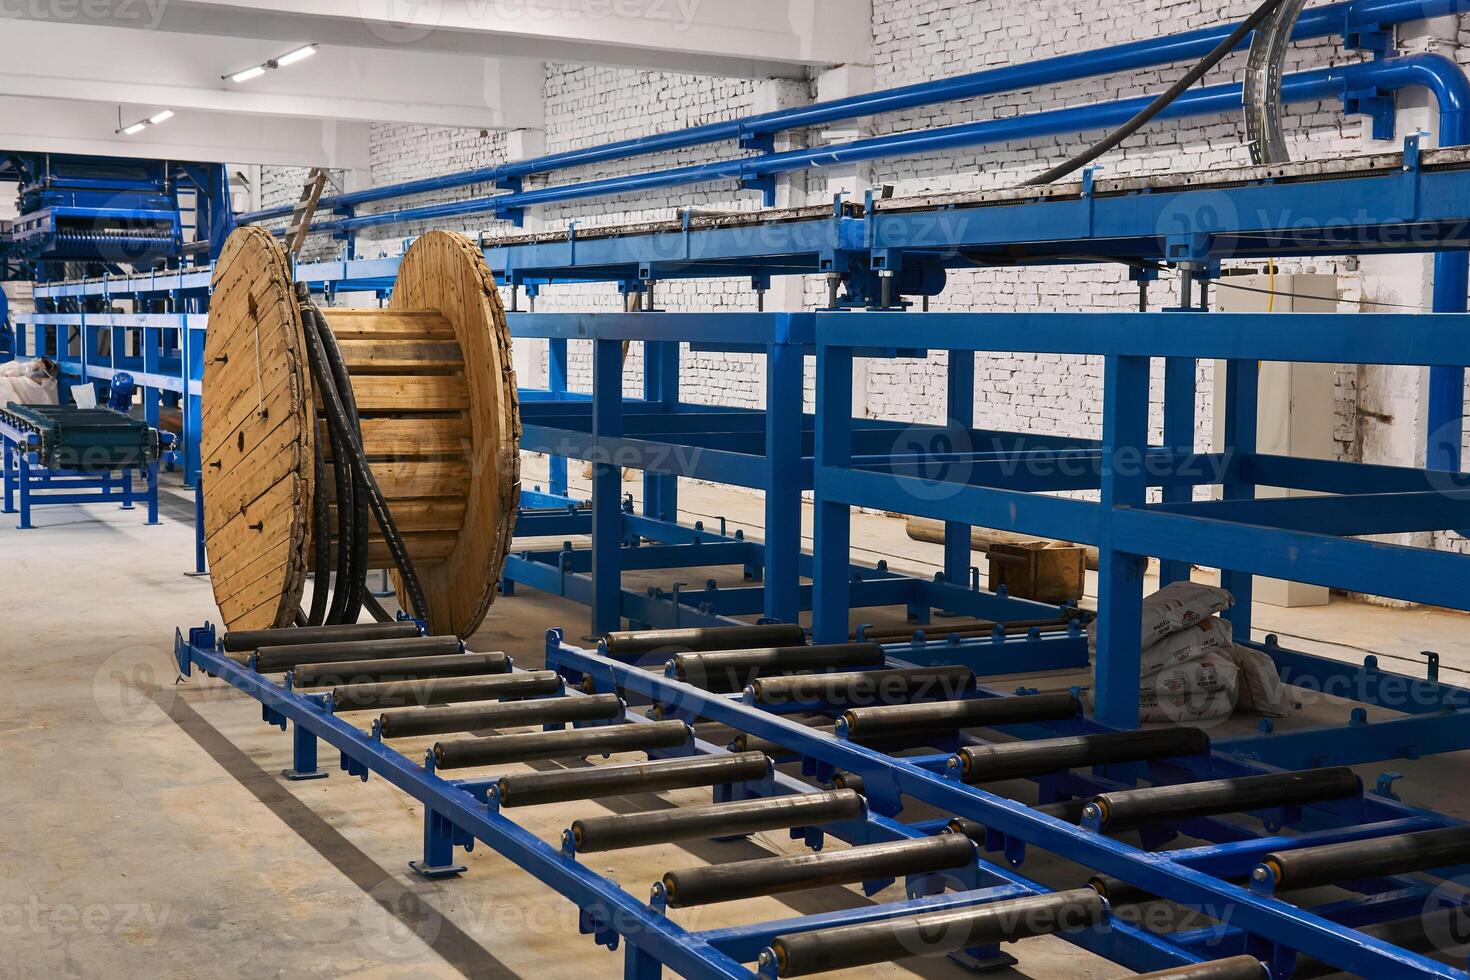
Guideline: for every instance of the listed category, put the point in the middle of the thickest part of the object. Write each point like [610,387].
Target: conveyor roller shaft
[1132,808]
[399,669]
[1310,867]
[950,716]
[446,690]
[777,875]
[733,670]
[597,782]
[625,646]
[865,687]
[720,820]
[279,659]
[449,719]
[1017,760]
[570,744]
[241,641]
[934,933]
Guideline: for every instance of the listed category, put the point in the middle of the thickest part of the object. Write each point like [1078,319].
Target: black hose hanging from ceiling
[357,481]
[1158,105]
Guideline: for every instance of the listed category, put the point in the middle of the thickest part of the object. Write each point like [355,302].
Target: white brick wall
[914,40]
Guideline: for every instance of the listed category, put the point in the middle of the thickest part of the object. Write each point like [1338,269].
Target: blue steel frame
[768,450]
[29,484]
[1259,925]
[460,812]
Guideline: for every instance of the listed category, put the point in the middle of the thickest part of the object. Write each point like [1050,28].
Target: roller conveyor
[1330,864]
[752,797]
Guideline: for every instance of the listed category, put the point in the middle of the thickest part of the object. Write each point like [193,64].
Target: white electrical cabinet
[1298,404]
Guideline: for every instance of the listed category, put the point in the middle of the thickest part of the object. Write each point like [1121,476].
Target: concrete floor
[148,833]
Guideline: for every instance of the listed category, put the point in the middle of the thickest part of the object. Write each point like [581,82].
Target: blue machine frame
[28,483]
[461,812]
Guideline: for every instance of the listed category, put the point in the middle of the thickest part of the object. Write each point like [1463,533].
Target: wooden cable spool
[437,397]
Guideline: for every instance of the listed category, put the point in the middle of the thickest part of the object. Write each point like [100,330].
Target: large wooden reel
[436,393]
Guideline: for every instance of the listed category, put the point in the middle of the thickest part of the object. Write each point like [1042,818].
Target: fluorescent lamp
[135,128]
[300,54]
[248,74]
[161,117]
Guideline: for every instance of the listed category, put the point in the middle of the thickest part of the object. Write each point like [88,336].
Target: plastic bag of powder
[1210,636]
[1261,688]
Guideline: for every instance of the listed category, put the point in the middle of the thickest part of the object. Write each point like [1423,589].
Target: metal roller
[449,719]
[778,875]
[933,933]
[872,686]
[241,641]
[1132,808]
[597,782]
[950,716]
[1068,810]
[405,669]
[1328,864]
[1016,760]
[447,690]
[1235,968]
[570,744]
[281,659]
[720,820]
[733,670]
[625,646]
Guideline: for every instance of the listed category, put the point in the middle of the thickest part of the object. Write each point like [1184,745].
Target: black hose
[321,538]
[1161,103]
[356,583]
[347,434]
[341,472]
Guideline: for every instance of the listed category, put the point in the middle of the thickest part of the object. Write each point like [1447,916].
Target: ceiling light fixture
[161,116]
[289,58]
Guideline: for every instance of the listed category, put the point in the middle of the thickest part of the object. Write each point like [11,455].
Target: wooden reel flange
[437,397]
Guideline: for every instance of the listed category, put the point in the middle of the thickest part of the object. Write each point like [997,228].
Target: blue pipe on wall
[1338,18]
[1434,72]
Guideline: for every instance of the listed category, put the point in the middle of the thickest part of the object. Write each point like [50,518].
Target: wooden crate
[1034,570]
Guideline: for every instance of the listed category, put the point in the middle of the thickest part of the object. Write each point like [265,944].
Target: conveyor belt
[84,439]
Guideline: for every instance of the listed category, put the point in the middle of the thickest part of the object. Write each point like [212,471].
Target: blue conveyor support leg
[833,527]
[1242,407]
[961,399]
[784,407]
[607,486]
[1179,412]
[557,374]
[661,386]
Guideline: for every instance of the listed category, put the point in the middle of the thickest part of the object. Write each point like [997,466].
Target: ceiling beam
[751,39]
[63,126]
[105,64]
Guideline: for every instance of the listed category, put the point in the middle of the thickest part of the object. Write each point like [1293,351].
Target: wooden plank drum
[440,429]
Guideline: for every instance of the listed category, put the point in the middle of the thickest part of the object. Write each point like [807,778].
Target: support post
[438,859]
[1446,408]
[961,401]
[303,756]
[1120,574]
[1242,427]
[833,530]
[607,486]
[23,481]
[784,424]
[1179,412]
[557,372]
[661,386]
